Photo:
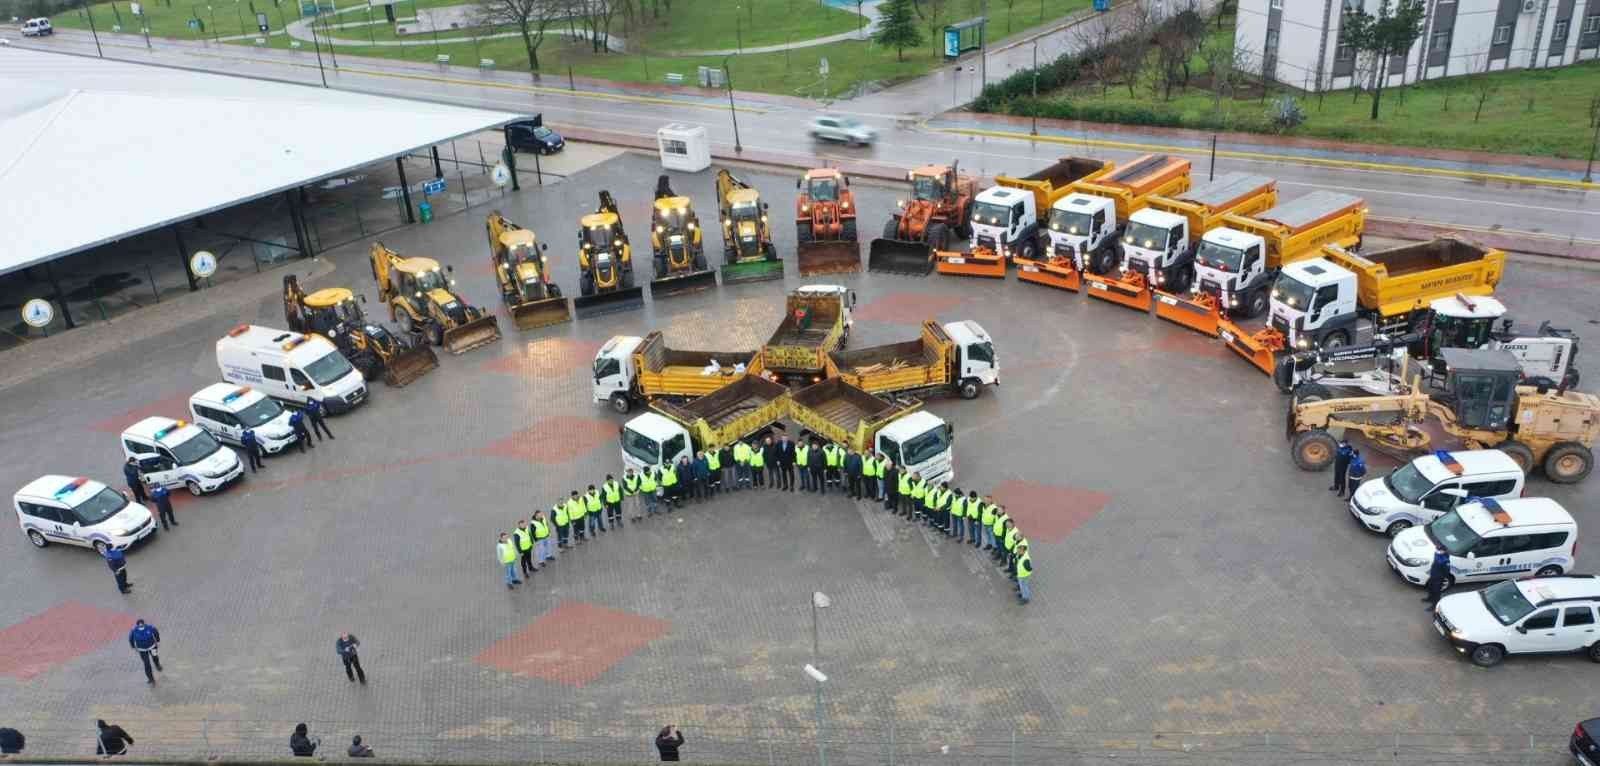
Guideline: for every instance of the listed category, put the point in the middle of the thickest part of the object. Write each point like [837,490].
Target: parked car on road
[1585,743]
[37,28]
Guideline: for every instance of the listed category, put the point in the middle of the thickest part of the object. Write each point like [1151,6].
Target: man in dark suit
[786,464]
[852,474]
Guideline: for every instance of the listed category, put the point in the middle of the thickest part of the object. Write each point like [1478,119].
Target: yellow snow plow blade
[409,365]
[540,313]
[479,332]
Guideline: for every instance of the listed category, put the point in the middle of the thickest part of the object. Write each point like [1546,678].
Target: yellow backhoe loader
[421,300]
[372,348]
[1480,404]
[747,251]
[521,269]
[675,240]
[605,263]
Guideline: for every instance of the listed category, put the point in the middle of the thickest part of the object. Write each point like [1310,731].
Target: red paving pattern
[573,644]
[176,406]
[559,439]
[545,359]
[906,308]
[57,635]
[1048,513]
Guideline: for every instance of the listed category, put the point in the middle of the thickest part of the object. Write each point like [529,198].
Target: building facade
[1297,42]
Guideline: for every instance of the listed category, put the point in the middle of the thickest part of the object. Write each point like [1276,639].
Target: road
[772,127]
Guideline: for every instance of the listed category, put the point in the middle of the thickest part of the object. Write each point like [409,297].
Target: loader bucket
[1259,349]
[540,313]
[978,263]
[409,365]
[1128,291]
[751,271]
[679,284]
[828,258]
[1198,313]
[898,256]
[1059,277]
[610,301]
[479,332]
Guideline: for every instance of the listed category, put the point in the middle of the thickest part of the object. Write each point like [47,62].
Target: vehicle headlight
[1149,244]
[1413,562]
[1161,278]
[1194,288]
[1055,227]
[1302,342]
[805,208]
[845,205]
[1233,300]
[660,228]
[691,226]
[1073,230]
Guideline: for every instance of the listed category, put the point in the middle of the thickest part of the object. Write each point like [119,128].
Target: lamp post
[1035,109]
[727,75]
[318,48]
[92,30]
[820,678]
[819,600]
[1588,171]
[738,34]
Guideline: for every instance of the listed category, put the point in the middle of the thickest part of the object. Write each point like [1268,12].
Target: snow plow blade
[540,313]
[679,284]
[1128,290]
[1198,313]
[409,365]
[981,262]
[608,302]
[1059,275]
[898,256]
[843,257]
[479,332]
[751,271]
[1259,349]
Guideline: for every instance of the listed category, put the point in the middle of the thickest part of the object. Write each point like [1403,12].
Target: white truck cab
[1432,485]
[1083,227]
[920,443]
[652,439]
[613,368]
[1006,222]
[1534,615]
[172,453]
[1232,265]
[290,367]
[226,410]
[975,358]
[80,511]
[1314,303]
[1155,244]
[1490,540]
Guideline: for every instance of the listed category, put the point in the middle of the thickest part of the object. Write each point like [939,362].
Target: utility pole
[1035,109]
[95,32]
[983,48]
[727,76]
[318,48]
[1588,171]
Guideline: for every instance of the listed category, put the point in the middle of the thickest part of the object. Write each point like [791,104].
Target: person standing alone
[118,563]
[110,739]
[668,740]
[252,449]
[145,641]
[1354,475]
[347,646]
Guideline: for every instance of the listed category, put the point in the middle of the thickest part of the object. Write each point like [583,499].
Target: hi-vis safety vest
[834,455]
[713,461]
[591,500]
[802,455]
[741,453]
[988,514]
[919,488]
[560,510]
[1024,567]
[1011,539]
[869,468]
[669,476]
[575,510]
[758,457]
[630,484]
[905,484]
[508,553]
[648,483]
[524,540]
[540,529]
[1000,520]
[958,507]
[613,492]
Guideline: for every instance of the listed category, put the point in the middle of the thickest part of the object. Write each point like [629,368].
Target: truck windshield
[981,352]
[331,367]
[991,214]
[259,413]
[605,367]
[745,211]
[600,236]
[1146,236]
[824,190]
[103,505]
[195,449]
[926,188]
[1292,292]
[1069,221]
[641,447]
[1505,601]
[1407,483]
[1219,257]
[1451,531]
[924,447]
[432,279]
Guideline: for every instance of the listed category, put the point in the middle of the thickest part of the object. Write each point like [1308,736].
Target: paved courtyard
[1196,593]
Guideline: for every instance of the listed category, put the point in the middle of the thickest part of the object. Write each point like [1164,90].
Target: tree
[530,17]
[897,27]
[1391,32]
[1228,67]
[1093,42]
[1483,85]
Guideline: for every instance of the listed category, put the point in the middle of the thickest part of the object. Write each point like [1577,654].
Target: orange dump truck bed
[1205,205]
[1133,185]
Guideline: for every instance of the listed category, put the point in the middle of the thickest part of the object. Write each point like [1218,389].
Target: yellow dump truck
[743,408]
[816,321]
[629,370]
[1008,218]
[954,358]
[914,439]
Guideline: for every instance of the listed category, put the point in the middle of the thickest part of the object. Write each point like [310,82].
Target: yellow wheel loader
[1479,404]
[522,271]
[675,240]
[422,300]
[605,263]
[372,348]
[747,251]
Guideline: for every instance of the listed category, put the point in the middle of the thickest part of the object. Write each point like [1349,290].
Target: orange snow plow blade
[1259,349]
[981,262]
[1198,313]
[1127,290]
[1056,272]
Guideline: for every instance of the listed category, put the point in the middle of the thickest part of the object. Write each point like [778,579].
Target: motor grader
[372,348]
[522,271]
[940,209]
[1479,404]
[825,224]
[748,254]
[605,263]
[422,300]
[676,242]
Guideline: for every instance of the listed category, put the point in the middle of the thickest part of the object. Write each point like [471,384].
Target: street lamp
[92,30]
[1035,109]
[316,46]
[819,600]
[820,678]
[727,75]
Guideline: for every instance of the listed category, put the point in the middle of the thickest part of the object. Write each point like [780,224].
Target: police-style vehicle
[1490,540]
[225,411]
[80,511]
[1433,485]
[172,453]
[1534,615]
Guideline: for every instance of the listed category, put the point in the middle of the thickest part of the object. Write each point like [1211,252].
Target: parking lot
[1189,577]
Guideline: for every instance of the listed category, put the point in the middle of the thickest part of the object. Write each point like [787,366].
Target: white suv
[1536,615]
[37,28]
[1433,485]
[842,129]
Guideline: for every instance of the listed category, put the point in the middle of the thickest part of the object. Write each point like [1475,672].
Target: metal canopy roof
[92,151]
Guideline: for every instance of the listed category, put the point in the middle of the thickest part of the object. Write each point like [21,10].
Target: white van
[78,511]
[172,453]
[1490,540]
[1431,486]
[1534,615]
[37,28]
[226,410]
[289,366]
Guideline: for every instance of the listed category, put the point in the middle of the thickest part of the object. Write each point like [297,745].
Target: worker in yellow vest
[930,505]
[523,537]
[958,514]
[1016,552]
[802,464]
[1010,539]
[594,511]
[741,464]
[974,505]
[834,455]
[575,513]
[758,462]
[611,495]
[649,490]
[541,541]
[630,491]
[998,534]
[714,468]
[672,479]
[558,512]
[506,551]
[919,490]
[1024,574]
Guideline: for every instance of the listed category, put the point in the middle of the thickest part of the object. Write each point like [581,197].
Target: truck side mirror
[543,246]
[852,298]
[363,297]
[448,269]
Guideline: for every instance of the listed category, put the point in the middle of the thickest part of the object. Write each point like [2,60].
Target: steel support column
[405,189]
[61,300]
[183,258]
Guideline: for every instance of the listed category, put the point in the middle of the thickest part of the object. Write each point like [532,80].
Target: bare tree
[531,18]
[1094,41]
[1133,48]
[1481,83]
[1228,67]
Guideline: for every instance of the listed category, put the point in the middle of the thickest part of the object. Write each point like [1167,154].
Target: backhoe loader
[747,251]
[370,347]
[521,269]
[1480,404]
[825,224]
[605,263]
[940,209]
[675,239]
[421,300]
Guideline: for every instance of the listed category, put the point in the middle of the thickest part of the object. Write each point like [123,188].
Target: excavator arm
[382,259]
[293,303]
[664,187]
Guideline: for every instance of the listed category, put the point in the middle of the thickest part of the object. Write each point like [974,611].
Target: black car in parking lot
[532,136]
[1585,744]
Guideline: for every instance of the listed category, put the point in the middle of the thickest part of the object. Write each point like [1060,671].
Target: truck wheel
[1570,381]
[1313,450]
[1256,304]
[938,236]
[1028,251]
[1103,260]
[969,389]
[620,403]
[1568,463]
[1488,655]
[1519,453]
[1306,393]
[1540,382]
[802,232]
[891,229]
[1335,339]
[1180,280]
